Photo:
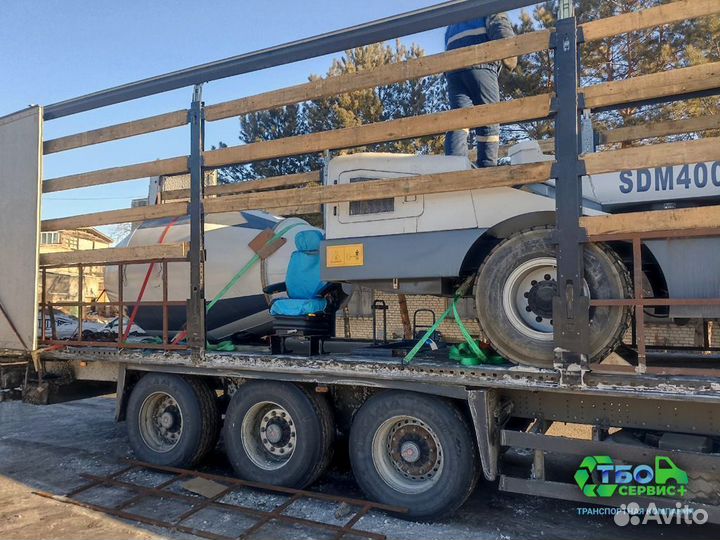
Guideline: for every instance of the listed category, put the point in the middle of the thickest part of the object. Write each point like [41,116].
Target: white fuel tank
[243,311]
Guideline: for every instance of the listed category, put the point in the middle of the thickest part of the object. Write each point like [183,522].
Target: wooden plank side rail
[117,131]
[654,155]
[649,18]
[160,167]
[111,217]
[116,255]
[377,189]
[660,129]
[459,59]
[506,112]
[412,69]
[384,75]
[299,200]
[704,217]
[656,85]
[679,81]
[262,184]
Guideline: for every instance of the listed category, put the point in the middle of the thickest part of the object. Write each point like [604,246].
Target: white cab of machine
[484,208]
[471,209]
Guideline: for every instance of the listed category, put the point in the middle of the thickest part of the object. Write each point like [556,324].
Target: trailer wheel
[514,292]
[279,433]
[415,451]
[172,420]
[704,487]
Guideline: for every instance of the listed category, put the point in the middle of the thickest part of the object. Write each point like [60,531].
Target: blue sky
[53,50]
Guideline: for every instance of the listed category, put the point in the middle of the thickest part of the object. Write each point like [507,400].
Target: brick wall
[361,327]
[665,334]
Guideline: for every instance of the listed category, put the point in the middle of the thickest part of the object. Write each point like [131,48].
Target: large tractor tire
[514,292]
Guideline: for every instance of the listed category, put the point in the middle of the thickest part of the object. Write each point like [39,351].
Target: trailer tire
[279,433]
[704,487]
[514,290]
[416,451]
[172,420]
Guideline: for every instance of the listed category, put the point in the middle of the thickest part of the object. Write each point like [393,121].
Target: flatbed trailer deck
[433,374]
[420,435]
[492,394]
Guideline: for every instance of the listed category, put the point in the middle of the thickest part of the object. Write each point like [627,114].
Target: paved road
[47,448]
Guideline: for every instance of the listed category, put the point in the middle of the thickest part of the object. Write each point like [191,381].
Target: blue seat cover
[303,282]
[291,307]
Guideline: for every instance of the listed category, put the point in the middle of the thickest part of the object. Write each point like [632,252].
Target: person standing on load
[477,85]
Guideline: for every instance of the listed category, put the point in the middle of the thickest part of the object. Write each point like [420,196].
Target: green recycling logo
[583,477]
[600,476]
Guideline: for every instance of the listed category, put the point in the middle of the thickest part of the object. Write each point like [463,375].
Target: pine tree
[410,98]
[400,100]
[620,57]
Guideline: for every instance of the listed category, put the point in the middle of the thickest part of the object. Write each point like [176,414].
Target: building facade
[62,283]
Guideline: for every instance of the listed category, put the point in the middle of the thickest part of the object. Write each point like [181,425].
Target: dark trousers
[467,88]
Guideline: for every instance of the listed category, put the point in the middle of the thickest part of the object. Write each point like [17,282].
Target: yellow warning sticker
[347,255]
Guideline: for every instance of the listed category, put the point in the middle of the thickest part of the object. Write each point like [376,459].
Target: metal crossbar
[198,503]
[405,24]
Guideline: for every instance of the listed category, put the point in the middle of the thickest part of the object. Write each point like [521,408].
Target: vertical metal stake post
[196,305]
[570,306]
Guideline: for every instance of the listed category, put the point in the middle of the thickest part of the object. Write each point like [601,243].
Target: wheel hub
[528,297]
[413,450]
[540,296]
[167,420]
[410,452]
[277,432]
[160,422]
[274,433]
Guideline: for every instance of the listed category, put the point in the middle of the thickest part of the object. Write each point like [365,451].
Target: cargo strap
[252,262]
[237,277]
[141,294]
[469,353]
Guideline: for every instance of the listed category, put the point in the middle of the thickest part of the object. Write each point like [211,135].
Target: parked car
[66,326]
[112,327]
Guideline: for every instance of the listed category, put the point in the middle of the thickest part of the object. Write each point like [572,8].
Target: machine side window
[375,206]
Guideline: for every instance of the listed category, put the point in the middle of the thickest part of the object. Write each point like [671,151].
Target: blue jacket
[478,31]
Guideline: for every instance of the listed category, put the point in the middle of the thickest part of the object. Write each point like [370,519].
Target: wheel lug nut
[526,295]
[539,319]
[547,277]
[533,282]
[528,309]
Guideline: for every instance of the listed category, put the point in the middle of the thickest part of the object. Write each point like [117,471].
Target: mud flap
[484,407]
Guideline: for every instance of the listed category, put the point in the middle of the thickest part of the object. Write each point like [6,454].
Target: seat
[302,283]
[305,312]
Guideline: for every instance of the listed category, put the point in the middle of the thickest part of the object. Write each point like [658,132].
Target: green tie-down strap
[468,356]
[244,270]
[468,353]
[223,346]
[219,296]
